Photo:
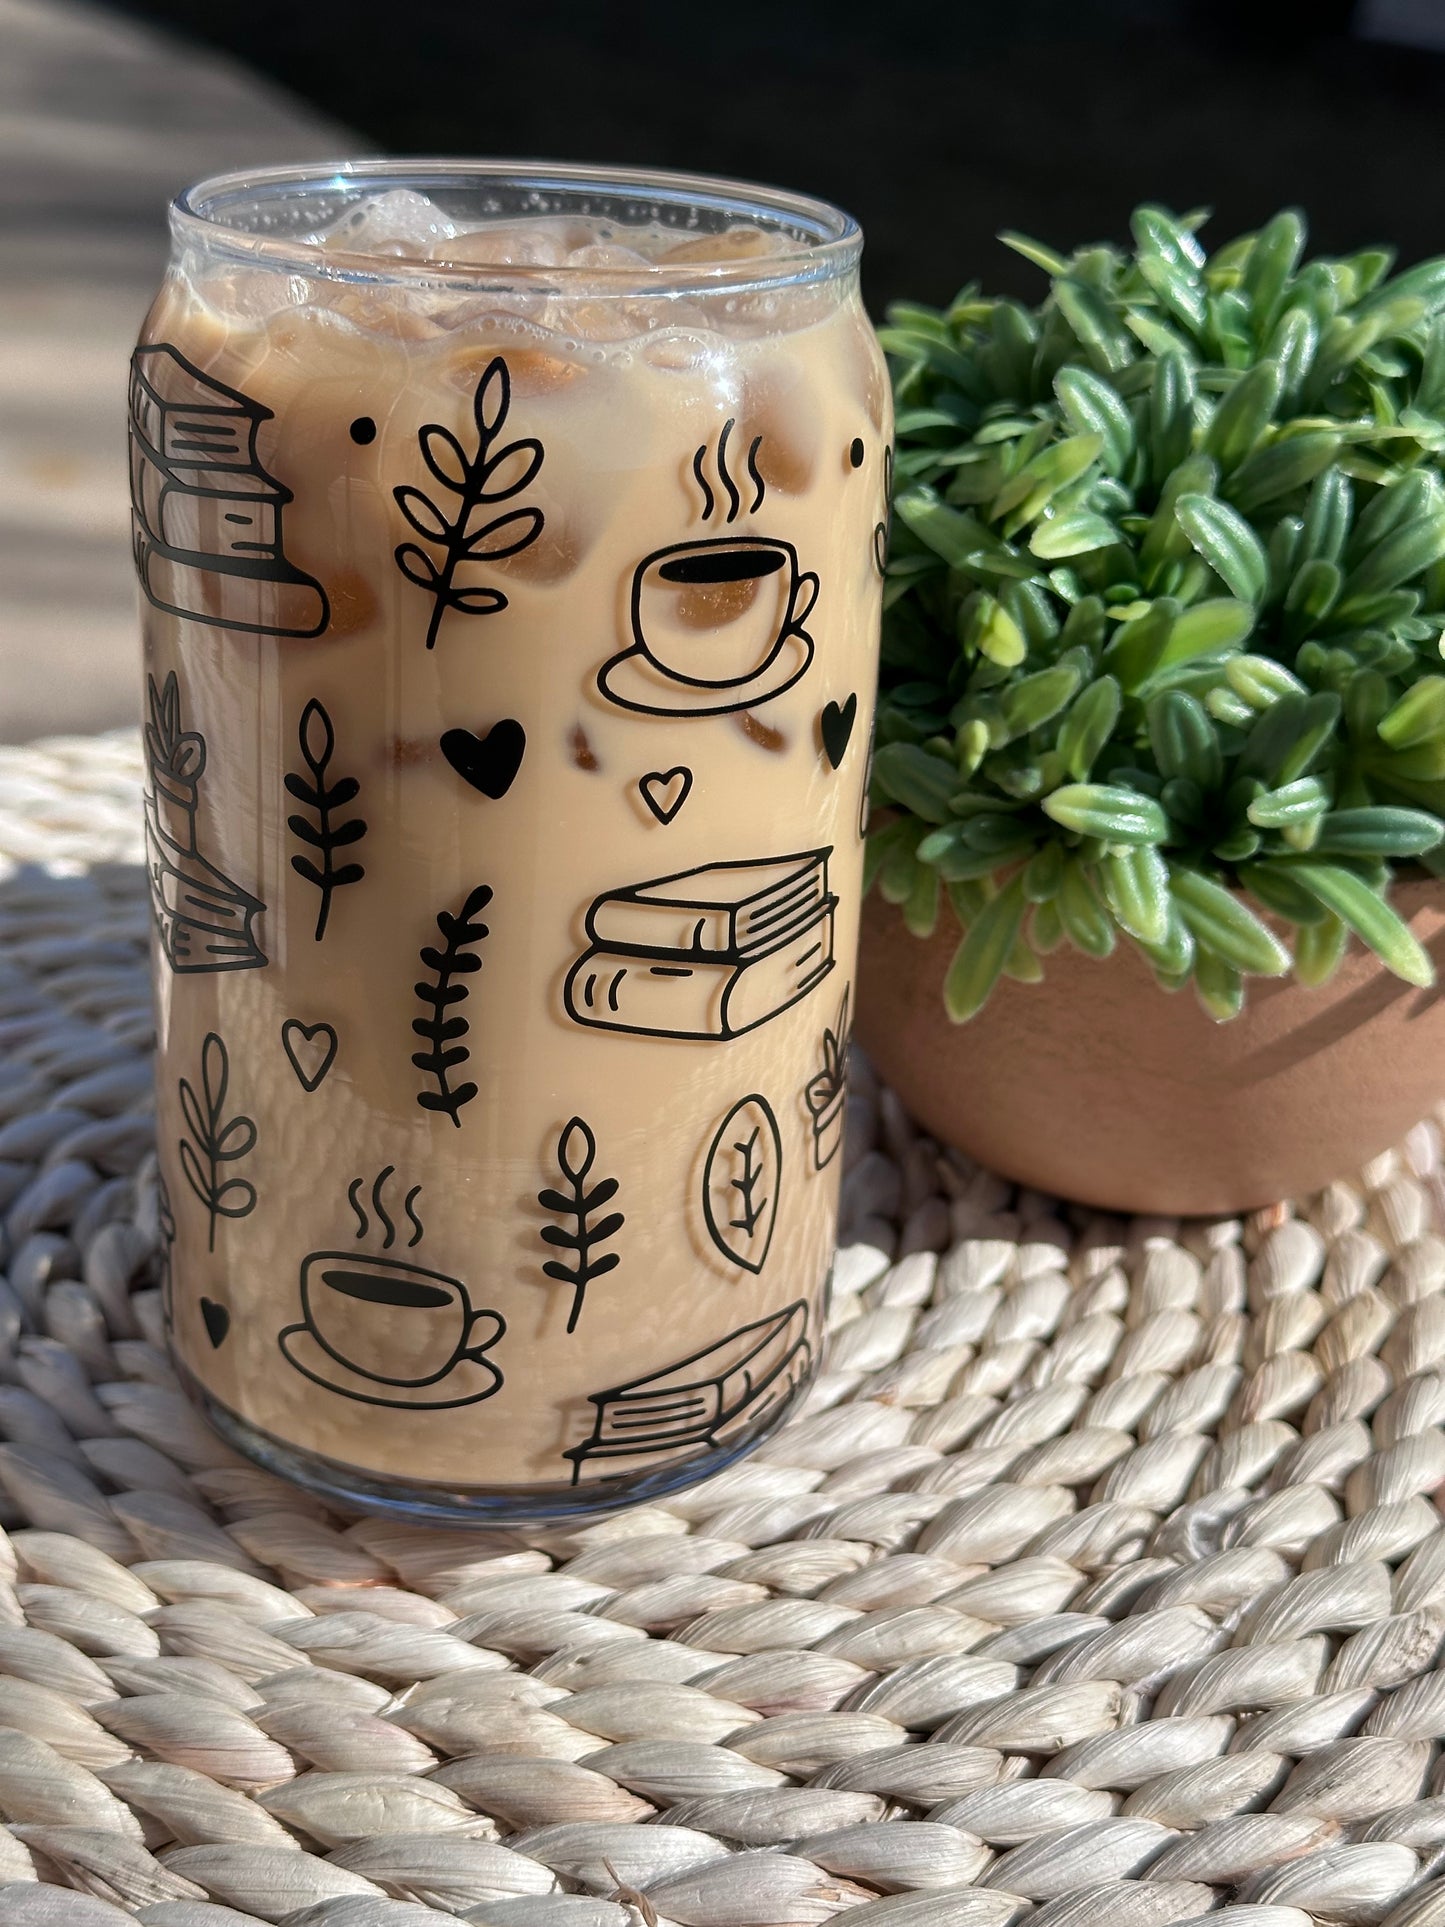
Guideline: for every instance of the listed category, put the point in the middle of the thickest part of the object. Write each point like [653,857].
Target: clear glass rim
[824,241]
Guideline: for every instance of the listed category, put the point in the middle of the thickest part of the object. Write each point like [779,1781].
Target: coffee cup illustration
[387,1332]
[717,626]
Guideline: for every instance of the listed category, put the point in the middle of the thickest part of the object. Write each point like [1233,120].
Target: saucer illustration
[717,626]
[468,1382]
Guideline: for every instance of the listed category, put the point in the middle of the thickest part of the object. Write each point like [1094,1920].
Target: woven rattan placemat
[1101,1584]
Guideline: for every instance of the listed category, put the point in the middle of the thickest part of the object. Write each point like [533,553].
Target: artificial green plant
[1163,612]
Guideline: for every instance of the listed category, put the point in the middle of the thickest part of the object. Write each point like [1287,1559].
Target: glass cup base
[482,1505]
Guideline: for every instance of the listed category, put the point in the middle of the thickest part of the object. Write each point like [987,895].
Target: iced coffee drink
[509,546]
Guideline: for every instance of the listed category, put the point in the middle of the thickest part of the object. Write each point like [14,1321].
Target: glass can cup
[510,542]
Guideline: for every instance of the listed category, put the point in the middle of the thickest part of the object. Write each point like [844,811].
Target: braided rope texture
[1100,1584]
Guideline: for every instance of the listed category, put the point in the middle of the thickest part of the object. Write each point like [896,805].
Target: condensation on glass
[510,543]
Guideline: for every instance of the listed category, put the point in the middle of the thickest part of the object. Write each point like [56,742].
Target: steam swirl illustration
[725,476]
[363,1224]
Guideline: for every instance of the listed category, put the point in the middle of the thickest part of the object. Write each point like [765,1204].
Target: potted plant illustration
[1160,768]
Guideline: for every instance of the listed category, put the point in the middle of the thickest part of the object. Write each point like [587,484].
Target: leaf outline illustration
[317,739]
[216,1143]
[461,539]
[456,958]
[749,1132]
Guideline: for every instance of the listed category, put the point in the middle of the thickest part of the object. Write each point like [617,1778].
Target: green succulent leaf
[906,773]
[1112,814]
[1418,717]
[1319,950]
[1094,408]
[1086,923]
[1378,830]
[1227,543]
[1136,889]
[1219,986]
[1061,536]
[1221,922]
[1283,467]
[1207,629]
[980,957]
[1033,700]
[1089,726]
[1242,417]
[1405,552]
[1369,916]
[1304,801]
[1185,740]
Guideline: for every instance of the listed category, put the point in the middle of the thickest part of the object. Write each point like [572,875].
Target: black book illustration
[709,953]
[204,921]
[685,1408]
[206,516]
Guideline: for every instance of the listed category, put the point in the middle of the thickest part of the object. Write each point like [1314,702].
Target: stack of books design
[710,953]
[684,1407]
[206,515]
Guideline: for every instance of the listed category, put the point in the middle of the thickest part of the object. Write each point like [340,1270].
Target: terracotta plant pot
[1099,1086]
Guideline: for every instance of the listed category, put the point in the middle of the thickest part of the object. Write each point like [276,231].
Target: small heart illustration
[665,791]
[311,1049]
[217,1321]
[489,763]
[836,724]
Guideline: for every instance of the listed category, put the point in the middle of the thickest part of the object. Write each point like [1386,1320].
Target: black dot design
[363,431]
[856,452]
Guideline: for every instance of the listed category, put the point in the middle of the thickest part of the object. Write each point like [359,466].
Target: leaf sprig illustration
[171,750]
[325,835]
[455,959]
[471,535]
[749,1204]
[216,1142]
[835,1050]
[578,1205]
[742,1177]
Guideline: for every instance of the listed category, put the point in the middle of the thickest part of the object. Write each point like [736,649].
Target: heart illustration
[489,763]
[311,1049]
[836,725]
[665,791]
[217,1320]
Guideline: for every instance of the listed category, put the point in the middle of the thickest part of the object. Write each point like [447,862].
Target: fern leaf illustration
[582,1230]
[215,1142]
[327,833]
[454,959]
[471,535]
[741,1180]
[746,1185]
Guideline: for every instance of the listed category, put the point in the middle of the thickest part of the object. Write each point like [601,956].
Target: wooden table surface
[101,122]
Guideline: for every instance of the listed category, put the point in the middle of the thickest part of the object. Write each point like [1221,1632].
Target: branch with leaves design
[216,1142]
[576,1154]
[470,535]
[325,835]
[455,959]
